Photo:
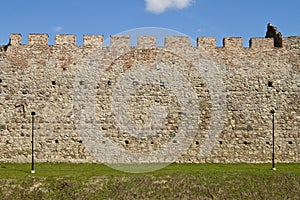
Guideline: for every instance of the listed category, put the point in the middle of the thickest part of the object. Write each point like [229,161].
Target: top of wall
[150,41]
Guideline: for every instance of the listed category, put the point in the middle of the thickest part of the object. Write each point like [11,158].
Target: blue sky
[214,18]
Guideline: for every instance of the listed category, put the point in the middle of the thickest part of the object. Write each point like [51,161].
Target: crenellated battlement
[235,42]
[119,41]
[206,42]
[222,94]
[38,39]
[15,39]
[150,41]
[65,39]
[146,41]
[264,43]
[177,42]
[93,40]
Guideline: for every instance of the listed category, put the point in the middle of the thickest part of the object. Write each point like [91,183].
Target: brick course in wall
[43,78]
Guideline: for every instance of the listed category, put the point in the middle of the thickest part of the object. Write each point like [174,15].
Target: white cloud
[160,6]
[57,29]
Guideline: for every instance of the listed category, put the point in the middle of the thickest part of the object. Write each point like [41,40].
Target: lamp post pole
[273,139]
[32,144]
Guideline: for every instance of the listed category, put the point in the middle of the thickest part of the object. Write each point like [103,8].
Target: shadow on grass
[11,169]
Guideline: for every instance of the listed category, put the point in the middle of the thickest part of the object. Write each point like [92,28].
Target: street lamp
[273,139]
[32,143]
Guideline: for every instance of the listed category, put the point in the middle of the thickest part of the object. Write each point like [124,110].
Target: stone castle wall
[233,90]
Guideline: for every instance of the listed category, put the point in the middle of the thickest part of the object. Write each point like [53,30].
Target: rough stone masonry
[252,80]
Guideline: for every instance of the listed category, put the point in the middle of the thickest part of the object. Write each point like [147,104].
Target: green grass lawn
[177,181]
